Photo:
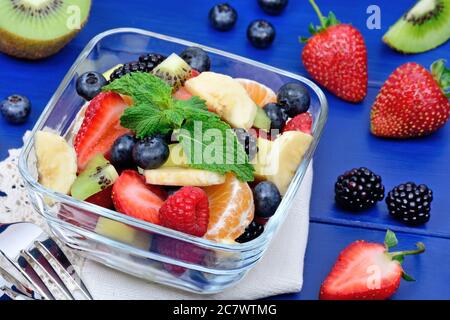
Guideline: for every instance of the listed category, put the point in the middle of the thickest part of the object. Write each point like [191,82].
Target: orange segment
[259,93]
[231,209]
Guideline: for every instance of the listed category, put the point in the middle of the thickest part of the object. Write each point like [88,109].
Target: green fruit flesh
[42,19]
[173,70]
[424,27]
[262,121]
[98,175]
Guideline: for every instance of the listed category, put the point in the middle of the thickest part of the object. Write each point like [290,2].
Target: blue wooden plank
[346,142]
[430,269]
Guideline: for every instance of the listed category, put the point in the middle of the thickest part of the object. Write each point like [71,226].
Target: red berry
[102,198]
[133,197]
[410,104]
[187,210]
[336,57]
[302,122]
[179,250]
[366,271]
[100,127]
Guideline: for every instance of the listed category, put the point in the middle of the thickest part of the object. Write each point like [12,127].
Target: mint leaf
[213,146]
[145,120]
[144,88]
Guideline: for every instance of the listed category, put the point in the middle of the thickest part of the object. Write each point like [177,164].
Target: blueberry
[261,33]
[150,153]
[223,17]
[294,98]
[277,115]
[267,198]
[90,84]
[248,141]
[273,7]
[16,109]
[121,152]
[197,58]
[168,137]
[171,190]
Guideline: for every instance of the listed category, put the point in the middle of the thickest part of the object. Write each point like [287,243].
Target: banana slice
[173,176]
[224,96]
[278,161]
[56,162]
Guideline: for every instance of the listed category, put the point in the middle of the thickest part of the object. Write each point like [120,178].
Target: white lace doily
[15,205]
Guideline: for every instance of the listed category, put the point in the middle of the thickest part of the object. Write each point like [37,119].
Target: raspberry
[302,122]
[187,210]
[179,250]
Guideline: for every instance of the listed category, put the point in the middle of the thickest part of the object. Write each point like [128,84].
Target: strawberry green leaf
[407,277]
[390,239]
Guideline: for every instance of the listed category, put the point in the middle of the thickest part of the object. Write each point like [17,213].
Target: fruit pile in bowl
[167,141]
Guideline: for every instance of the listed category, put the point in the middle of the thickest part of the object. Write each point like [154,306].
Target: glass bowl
[134,246]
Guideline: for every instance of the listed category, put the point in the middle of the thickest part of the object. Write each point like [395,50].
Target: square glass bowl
[145,250]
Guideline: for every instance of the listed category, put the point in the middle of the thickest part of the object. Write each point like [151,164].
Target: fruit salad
[168,141]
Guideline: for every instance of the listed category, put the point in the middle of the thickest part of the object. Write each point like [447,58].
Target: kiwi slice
[34,29]
[98,175]
[173,70]
[262,121]
[425,26]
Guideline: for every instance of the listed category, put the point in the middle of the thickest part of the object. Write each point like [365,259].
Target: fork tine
[48,279]
[13,294]
[12,280]
[31,278]
[71,280]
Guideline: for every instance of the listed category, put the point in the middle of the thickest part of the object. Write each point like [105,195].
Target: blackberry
[151,60]
[358,189]
[248,141]
[410,203]
[127,68]
[253,231]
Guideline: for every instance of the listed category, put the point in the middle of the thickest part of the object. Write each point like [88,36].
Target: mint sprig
[154,110]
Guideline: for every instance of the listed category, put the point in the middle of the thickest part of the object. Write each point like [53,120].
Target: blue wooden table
[346,143]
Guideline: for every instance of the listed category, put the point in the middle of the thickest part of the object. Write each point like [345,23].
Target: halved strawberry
[100,127]
[102,198]
[182,94]
[133,197]
[367,271]
[302,122]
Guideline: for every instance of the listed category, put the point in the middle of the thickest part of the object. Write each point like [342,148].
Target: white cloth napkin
[279,271]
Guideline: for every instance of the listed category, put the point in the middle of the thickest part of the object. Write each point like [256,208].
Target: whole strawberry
[412,102]
[367,271]
[336,57]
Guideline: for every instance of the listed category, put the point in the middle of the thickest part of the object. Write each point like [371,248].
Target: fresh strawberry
[412,102]
[194,73]
[182,94]
[187,210]
[302,122]
[133,197]
[100,127]
[367,271]
[102,198]
[336,57]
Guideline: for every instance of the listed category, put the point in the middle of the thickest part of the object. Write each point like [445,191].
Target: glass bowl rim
[273,224]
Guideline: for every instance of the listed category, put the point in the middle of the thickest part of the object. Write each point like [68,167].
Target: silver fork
[38,264]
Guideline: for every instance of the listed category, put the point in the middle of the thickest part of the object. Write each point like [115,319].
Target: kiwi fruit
[35,29]
[424,27]
[262,121]
[98,175]
[173,70]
